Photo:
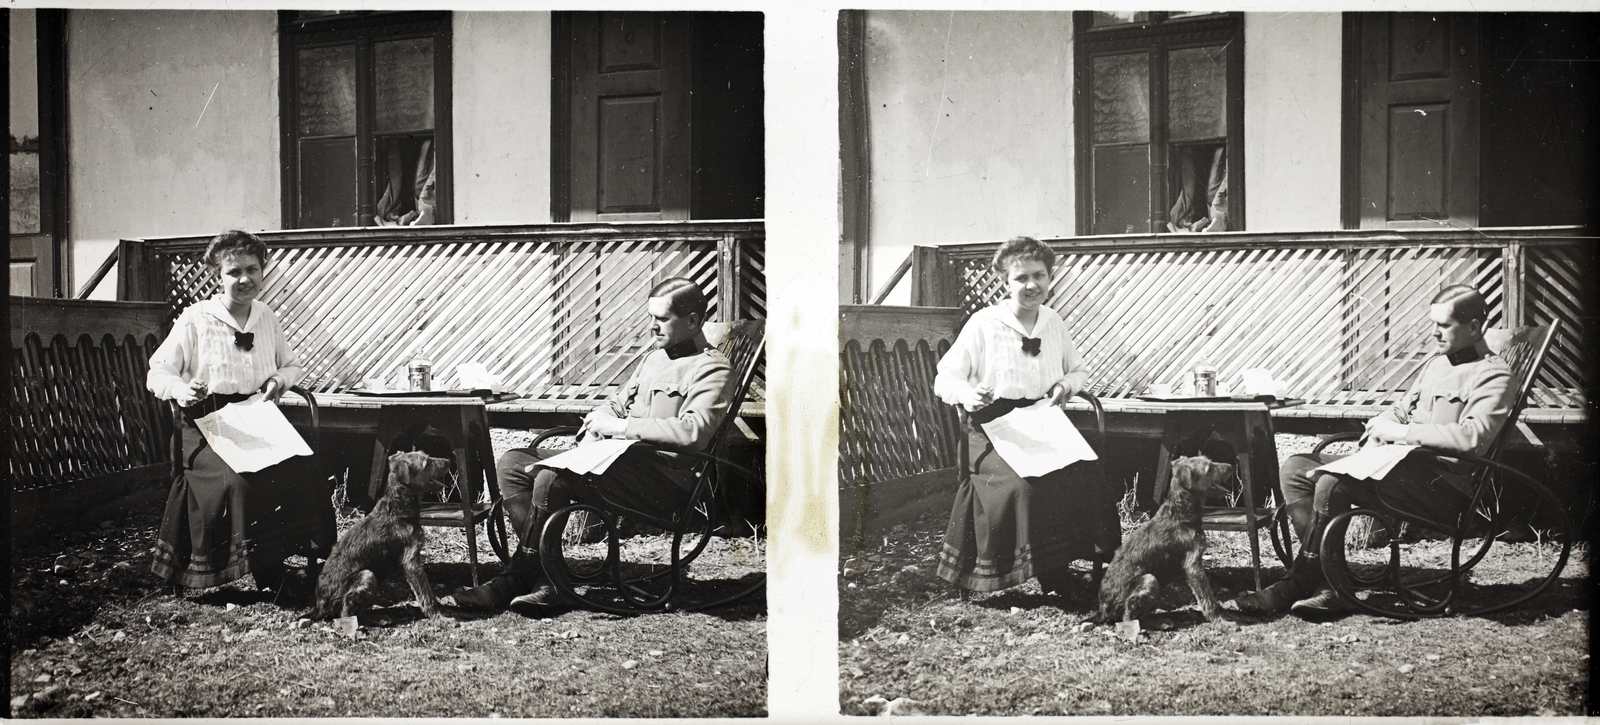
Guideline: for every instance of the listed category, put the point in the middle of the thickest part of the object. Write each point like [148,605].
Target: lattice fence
[558,312]
[891,423]
[1560,282]
[79,408]
[1345,324]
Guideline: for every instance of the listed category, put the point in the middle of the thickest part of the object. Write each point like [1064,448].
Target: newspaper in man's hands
[1370,463]
[591,457]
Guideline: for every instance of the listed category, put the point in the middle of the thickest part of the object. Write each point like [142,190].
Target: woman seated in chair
[220,524]
[1005,528]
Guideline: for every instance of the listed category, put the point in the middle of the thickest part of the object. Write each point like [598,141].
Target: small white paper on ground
[1372,462]
[590,457]
[1038,439]
[346,626]
[251,435]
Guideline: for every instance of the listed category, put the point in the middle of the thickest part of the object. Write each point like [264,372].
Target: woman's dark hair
[234,241]
[1466,303]
[683,295]
[1023,249]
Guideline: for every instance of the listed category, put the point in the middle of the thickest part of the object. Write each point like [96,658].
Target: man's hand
[196,391]
[1384,430]
[608,426]
[976,399]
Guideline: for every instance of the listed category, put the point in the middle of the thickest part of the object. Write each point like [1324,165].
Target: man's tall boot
[523,574]
[1305,573]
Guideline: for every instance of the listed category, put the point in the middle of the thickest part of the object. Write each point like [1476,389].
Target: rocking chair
[1504,501]
[660,587]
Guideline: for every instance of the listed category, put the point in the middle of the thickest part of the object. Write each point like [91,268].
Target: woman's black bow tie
[1030,345]
[244,340]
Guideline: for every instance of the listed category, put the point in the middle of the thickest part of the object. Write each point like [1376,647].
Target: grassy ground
[905,635]
[109,640]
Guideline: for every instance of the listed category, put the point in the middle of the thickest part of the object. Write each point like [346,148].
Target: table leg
[380,467]
[1163,472]
[466,471]
[1247,477]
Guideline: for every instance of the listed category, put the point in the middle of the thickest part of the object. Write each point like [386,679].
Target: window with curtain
[1160,109]
[366,118]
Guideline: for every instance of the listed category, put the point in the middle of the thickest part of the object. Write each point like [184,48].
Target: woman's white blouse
[201,346]
[988,353]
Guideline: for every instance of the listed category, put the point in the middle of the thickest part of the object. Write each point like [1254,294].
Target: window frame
[364,28]
[1159,35]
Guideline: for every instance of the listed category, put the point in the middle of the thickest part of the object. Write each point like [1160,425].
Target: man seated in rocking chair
[675,400]
[1458,403]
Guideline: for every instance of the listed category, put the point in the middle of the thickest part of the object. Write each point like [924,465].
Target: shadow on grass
[449,578]
[1563,595]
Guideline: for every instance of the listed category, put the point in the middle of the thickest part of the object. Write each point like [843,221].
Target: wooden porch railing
[1339,317]
[897,440]
[558,310]
[79,412]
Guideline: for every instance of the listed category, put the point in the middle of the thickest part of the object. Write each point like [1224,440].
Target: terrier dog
[386,540]
[1170,542]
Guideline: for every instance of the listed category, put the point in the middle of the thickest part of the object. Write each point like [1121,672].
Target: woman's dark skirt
[220,525]
[1005,528]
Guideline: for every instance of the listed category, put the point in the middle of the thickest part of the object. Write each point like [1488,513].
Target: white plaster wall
[173,127]
[971,129]
[24,71]
[501,95]
[1291,120]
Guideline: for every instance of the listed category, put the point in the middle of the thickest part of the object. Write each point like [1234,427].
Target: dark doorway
[1471,119]
[40,266]
[657,116]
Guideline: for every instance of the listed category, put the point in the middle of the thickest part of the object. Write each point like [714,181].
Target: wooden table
[461,420]
[1245,425]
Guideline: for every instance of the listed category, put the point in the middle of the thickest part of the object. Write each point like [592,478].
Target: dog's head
[418,471]
[1200,475]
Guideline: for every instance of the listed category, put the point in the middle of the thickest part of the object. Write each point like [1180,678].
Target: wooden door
[1418,118]
[629,138]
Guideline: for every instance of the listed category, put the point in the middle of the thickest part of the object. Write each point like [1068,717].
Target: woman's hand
[1062,392]
[977,398]
[273,388]
[191,395]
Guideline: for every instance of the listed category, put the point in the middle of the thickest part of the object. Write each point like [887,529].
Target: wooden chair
[1400,594]
[659,588]
[316,425]
[964,459]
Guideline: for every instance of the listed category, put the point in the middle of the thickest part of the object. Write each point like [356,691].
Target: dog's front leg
[352,599]
[1141,597]
[417,577]
[1194,568]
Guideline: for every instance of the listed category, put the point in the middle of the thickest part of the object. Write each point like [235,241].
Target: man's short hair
[684,297]
[1466,303]
[1018,249]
